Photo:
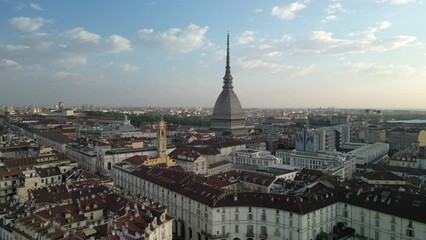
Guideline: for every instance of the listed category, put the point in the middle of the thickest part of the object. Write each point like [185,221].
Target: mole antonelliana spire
[228,116]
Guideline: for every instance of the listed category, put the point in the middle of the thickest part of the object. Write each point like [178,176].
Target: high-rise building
[228,116]
[324,138]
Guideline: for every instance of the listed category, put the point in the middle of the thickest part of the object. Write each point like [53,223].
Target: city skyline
[302,54]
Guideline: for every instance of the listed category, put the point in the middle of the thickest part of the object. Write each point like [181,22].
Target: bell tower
[161,138]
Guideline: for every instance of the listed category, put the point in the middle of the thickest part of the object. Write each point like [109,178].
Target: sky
[284,54]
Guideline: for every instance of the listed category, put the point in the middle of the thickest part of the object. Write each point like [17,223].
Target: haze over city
[349,54]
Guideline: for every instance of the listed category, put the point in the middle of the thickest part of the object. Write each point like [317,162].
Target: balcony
[218,236]
[263,235]
[250,234]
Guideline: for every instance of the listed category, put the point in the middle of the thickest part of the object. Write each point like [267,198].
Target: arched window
[109,166]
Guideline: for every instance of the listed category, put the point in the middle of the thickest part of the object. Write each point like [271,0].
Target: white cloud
[36,6]
[75,60]
[28,24]
[403,71]
[117,44]
[398,2]
[286,38]
[12,47]
[289,11]
[81,35]
[273,54]
[328,18]
[378,26]
[246,37]
[257,63]
[258,10]
[322,42]
[335,7]
[175,39]
[264,46]
[129,68]
[290,70]
[9,64]
[64,75]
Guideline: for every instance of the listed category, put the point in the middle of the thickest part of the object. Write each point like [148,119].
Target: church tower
[161,138]
[228,116]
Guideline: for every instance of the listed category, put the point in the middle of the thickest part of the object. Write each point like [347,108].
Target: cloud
[64,75]
[129,68]
[273,54]
[36,6]
[328,18]
[288,12]
[74,60]
[8,64]
[386,70]
[322,42]
[290,70]
[246,37]
[28,24]
[12,47]
[335,7]
[118,44]
[175,39]
[398,2]
[284,38]
[370,33]
[81,35]
[258,10]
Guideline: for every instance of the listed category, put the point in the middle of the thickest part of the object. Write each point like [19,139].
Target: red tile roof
[10,172]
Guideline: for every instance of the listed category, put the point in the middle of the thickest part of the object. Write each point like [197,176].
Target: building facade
[204,212]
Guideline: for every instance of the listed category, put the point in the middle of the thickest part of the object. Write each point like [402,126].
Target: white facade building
[334,163]
[253,157]
[370,153]
[203,212]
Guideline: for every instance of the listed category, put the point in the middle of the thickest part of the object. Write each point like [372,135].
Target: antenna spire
[227,79]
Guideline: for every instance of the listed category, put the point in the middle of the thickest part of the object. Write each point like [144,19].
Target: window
[377,235]
[249,228]
[362,219]
[277,232]
[393,227]
[410,224]
[410,232]
[236,229]
[263,215]
[377,223]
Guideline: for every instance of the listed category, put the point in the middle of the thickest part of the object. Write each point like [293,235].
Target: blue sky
[317,53]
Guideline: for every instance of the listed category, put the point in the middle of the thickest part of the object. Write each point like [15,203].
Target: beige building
[10,179]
